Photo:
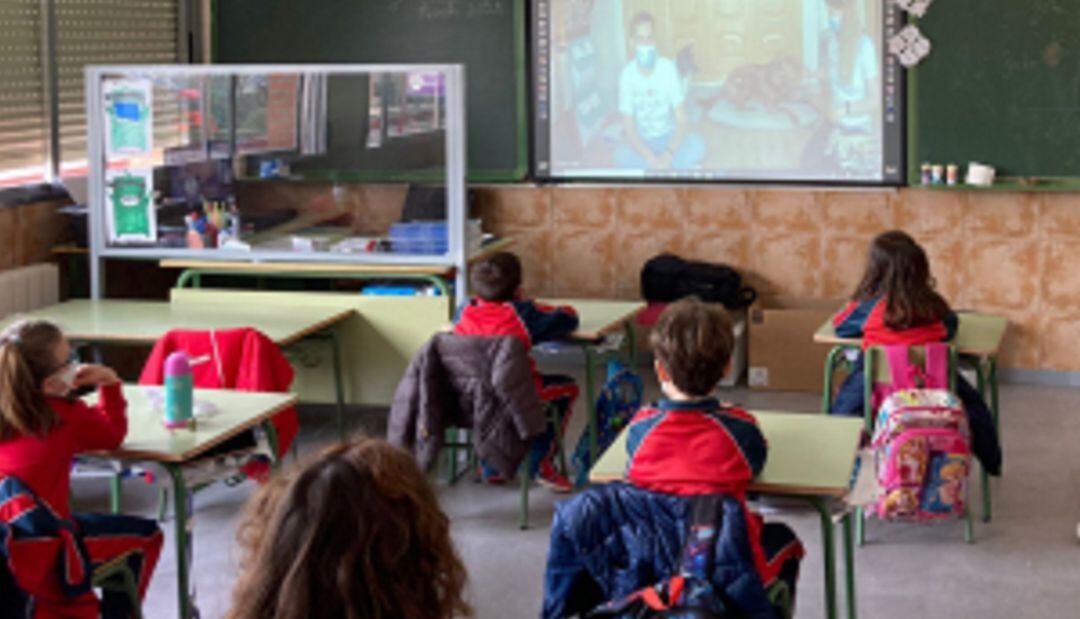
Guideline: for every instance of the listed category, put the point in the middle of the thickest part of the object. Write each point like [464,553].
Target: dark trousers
[984,438]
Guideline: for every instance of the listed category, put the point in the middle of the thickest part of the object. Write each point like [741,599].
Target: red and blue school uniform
[531,323]
[866,320]
[701,447]
[38,474]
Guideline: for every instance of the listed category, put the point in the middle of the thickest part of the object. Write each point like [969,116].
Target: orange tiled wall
[1013,254]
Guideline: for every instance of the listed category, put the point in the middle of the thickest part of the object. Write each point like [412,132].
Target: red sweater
[866,320]
[695,447]
[44,464]
[528,321]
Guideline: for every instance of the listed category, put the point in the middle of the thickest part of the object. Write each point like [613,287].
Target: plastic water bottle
[179,391]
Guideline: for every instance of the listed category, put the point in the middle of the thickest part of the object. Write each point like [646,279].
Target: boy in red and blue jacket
[691,444]
[500,309]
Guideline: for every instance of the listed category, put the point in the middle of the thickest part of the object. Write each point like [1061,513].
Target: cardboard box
[783,355]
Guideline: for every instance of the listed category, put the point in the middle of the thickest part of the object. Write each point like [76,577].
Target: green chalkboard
[1001,86]
[487,36]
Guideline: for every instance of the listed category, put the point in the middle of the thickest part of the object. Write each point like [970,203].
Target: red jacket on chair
[239,359]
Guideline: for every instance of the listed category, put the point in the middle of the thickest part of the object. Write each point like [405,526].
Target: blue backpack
[619,399]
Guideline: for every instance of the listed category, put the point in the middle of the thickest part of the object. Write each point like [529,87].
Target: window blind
[24,131]
[110,32]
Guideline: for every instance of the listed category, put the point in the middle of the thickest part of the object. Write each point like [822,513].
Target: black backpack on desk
[667,277]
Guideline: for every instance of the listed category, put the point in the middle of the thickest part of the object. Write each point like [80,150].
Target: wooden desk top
[149,440]
[599,317]
[809,455]
[145,322]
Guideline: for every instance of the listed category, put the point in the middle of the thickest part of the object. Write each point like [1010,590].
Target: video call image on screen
[769,90]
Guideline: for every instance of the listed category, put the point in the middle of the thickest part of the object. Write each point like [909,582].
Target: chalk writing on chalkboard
[434,10]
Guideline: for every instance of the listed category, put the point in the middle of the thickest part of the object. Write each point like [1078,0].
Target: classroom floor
[1026,563]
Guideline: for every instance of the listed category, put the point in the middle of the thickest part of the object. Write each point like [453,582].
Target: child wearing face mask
[690,443]
[41,429]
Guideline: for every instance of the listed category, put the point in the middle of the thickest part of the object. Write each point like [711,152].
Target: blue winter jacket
[615,539]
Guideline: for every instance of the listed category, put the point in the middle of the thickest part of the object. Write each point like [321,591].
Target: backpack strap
[899,367]
[937,366]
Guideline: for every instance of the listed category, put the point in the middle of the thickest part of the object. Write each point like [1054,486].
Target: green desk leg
[830,365]
[114,492]
[182,512]
[631,342]
[849,566]
[181,505]
[189,276]
[828,550]
[272,440]
[590,403]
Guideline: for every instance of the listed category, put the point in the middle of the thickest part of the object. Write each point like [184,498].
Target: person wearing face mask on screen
[652,103]
[851,91]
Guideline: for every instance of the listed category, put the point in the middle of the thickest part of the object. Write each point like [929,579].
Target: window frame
[190,36]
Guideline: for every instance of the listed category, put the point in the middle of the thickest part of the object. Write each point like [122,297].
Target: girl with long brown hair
[355,534]
[41,429]
[895,304]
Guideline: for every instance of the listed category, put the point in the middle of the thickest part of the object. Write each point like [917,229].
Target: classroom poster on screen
[129,117]
[772,90]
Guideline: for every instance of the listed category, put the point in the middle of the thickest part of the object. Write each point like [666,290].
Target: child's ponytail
[26,360]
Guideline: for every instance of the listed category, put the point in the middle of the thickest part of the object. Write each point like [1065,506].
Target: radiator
[28,288]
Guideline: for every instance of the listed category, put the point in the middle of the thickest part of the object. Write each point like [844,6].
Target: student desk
[112,321]
[978,339]
[978,335]
[598,318]
[149,441]
[811,457]
[435,274]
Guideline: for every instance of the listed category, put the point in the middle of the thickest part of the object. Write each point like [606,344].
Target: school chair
[113,576]
[459,440]
[241,359]
[475,395]
[877,374]
[612,541]
[117,576]
[37,544]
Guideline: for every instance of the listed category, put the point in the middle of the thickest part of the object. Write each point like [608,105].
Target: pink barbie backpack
[922,441]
